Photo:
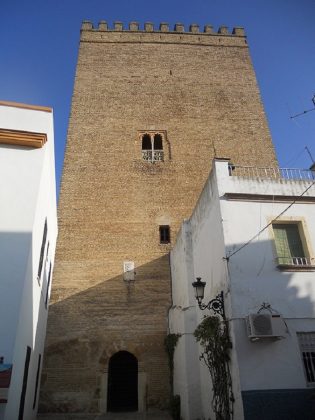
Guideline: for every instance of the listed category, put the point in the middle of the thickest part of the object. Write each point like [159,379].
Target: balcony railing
[272,173]
[153,156]
[295,261]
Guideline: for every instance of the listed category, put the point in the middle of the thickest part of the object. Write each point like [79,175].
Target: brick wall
[199,88]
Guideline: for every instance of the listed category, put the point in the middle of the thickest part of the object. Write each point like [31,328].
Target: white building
[28,230]
[251,235]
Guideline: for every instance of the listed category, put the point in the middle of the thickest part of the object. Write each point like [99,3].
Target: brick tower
[150,109]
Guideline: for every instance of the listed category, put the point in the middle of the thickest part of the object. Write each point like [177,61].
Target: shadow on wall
[17,318]
[87,328]
[255,278]
[15,250]
[23,316]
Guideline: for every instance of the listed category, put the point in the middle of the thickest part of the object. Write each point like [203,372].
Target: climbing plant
[170,343]
[213,335]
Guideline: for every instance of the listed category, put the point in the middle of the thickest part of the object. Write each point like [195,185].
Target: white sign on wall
[129,270]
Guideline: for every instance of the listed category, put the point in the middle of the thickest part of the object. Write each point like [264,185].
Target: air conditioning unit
[265,326]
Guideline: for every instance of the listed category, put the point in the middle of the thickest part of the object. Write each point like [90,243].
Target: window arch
[146,142]
[158,142]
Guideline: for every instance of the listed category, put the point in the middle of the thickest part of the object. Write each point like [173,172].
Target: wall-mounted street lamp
[216,305]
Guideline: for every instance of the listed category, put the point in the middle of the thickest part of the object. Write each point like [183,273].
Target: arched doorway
[122,392]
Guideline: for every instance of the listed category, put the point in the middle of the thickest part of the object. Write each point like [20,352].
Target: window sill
[165,247]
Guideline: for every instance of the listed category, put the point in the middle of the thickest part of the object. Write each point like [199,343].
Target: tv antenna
[312,168]
[305,112]
[310,154]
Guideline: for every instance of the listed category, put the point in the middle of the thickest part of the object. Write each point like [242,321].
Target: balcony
[153,155]
[300,263]
[251,172]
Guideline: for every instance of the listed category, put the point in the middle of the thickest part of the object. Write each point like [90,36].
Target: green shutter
[288,242]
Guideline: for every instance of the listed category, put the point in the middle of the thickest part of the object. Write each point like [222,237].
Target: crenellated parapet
[162,34]
[162,28]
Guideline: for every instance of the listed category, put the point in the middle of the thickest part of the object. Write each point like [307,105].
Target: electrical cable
[264,228]
[294,158]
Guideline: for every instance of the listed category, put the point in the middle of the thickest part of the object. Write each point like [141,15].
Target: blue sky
[39,42]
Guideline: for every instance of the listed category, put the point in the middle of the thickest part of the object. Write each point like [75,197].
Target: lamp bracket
[215,305]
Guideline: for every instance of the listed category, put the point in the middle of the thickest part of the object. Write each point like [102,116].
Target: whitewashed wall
[198,252]
[183,320]
[255,279]
[27,197]
[218,227]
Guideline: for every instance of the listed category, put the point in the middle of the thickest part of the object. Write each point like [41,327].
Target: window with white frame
[289,244]
[307,347]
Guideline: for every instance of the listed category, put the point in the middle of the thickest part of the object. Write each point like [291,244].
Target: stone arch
[104,362]
[158,142]
[146,142]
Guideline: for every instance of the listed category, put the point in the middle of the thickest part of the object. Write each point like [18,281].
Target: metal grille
[158,156]
[262,324]
[289,244]
[153,156]
[299,261]
[307,346]
[272,173]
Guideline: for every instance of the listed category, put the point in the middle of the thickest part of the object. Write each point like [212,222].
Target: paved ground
[150,415]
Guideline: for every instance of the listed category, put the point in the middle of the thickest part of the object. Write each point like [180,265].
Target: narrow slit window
[42,250]
[24,383]
[165,234]
[48,286]
[37,380]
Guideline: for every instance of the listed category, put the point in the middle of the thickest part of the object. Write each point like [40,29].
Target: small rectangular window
[307,347]
[289,244]
[48,286]
[165,236]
